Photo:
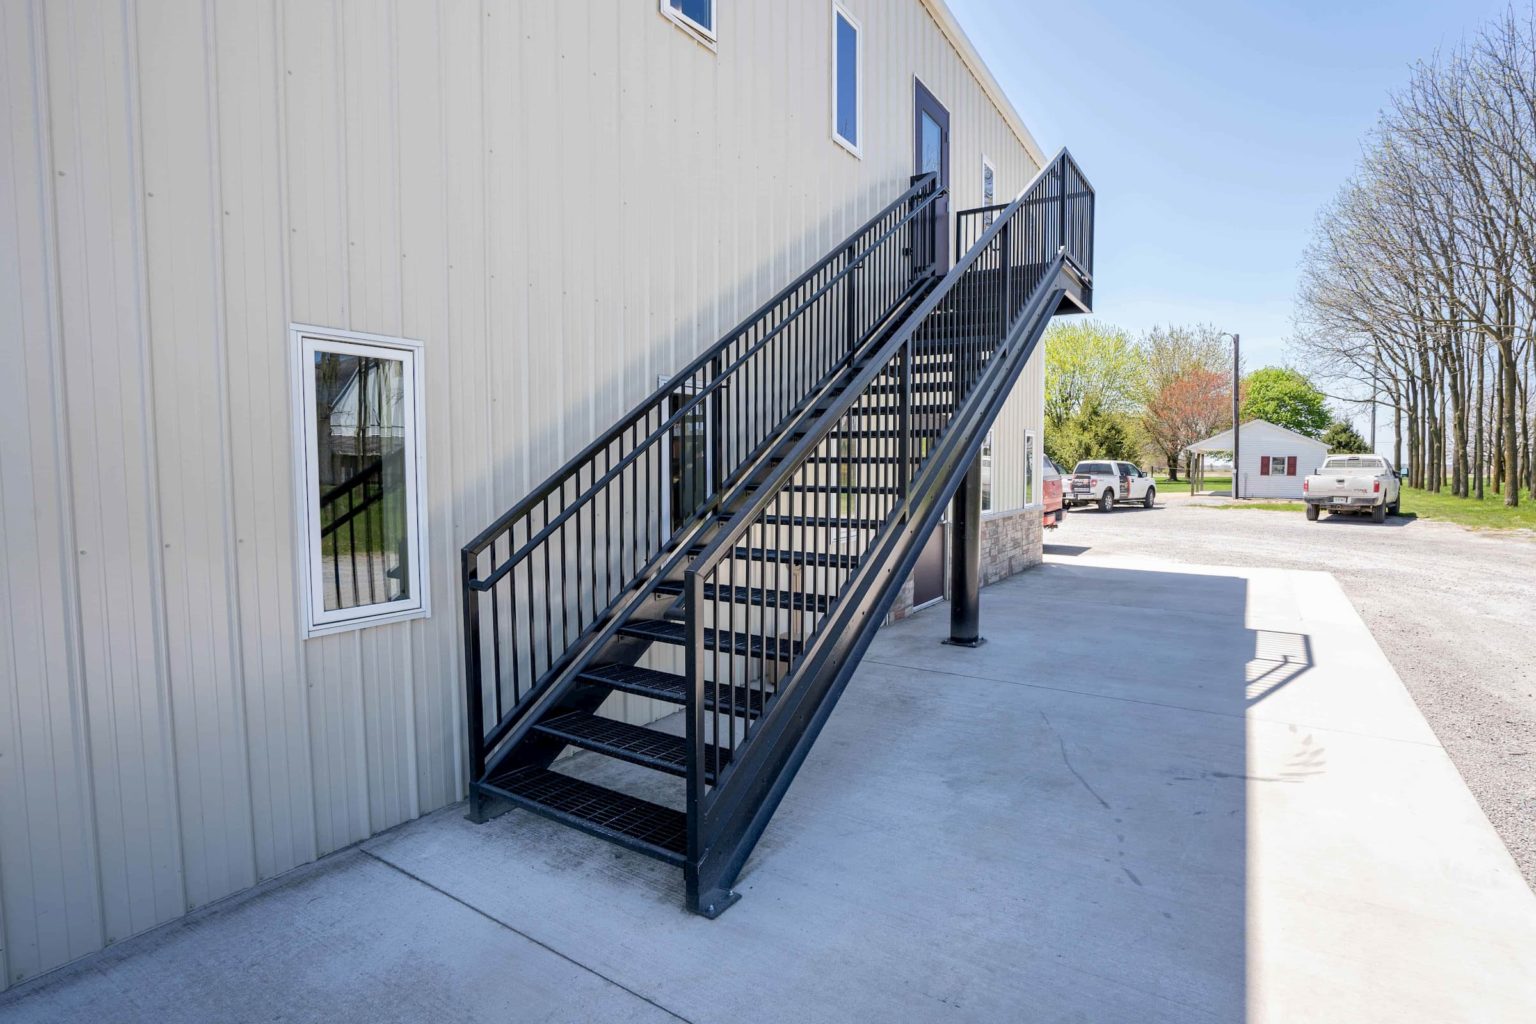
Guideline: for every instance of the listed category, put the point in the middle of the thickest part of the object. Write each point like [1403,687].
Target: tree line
[1419,286]
[1111,396]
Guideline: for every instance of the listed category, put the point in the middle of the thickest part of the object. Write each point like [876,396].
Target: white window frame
[988,459]
[710,37]
[1281,459]
[304,341]
[840,11]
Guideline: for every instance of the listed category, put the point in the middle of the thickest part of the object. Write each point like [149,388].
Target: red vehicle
[1050,493]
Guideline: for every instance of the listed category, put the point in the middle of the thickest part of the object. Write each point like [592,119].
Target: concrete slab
[1158,794]
[348,939]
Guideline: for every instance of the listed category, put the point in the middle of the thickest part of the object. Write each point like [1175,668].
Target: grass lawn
[1212,483]
[1488,514]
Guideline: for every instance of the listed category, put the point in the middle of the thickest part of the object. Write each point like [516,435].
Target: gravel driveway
[1454,610]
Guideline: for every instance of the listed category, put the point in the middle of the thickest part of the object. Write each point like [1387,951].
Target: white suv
[1103,483]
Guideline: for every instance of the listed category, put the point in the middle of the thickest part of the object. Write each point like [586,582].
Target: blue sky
[1212,132]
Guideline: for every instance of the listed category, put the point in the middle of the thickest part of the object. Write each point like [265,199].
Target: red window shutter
[1290,465]
[1263,465]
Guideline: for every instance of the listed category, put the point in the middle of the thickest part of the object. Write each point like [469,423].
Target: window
[1029,467]
[687,457]
[988,189]
[847,83]
[696,16]
[359,474]
[986,474]
[1277,465]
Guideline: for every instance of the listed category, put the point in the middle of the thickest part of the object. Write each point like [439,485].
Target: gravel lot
[1454,610]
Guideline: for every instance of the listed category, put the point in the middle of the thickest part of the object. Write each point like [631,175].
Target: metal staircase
[732,545]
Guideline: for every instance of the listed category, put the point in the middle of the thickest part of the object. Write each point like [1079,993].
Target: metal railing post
[850,288]
[1061,174]
[904,441]
[475,712]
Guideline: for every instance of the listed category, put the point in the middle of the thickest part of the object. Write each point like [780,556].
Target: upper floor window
[696,15]
[847,80]
[359,479]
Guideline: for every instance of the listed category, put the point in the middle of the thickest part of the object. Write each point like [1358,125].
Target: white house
[232,572]
[1273,459]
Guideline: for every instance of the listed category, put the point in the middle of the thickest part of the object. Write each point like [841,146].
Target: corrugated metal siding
[562,201]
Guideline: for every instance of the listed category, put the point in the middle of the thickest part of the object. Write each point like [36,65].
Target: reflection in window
[701,13]
[845,79]
[359,454]
[360,495]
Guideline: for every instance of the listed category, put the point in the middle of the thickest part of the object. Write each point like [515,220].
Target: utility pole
[1236,462]
[1375,389]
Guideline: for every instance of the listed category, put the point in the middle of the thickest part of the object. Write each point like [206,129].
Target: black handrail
[951,348]
[555,566]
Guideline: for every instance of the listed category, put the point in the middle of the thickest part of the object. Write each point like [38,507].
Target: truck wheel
[1379,513]
[1151,497]
[1311,513]
[1392,509]
[1107,501]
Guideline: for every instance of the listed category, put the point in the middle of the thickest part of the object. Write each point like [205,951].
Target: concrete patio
[1157,794]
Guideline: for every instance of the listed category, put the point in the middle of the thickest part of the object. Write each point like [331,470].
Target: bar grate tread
[668,631]
[672,688]
[638,824]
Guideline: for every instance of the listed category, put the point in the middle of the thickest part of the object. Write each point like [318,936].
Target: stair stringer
[769,764]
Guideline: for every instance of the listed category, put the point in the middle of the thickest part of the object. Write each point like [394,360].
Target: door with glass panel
[931,144]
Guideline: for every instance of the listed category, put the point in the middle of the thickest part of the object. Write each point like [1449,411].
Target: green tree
[1088,362]
[1285,398]
[1342,438]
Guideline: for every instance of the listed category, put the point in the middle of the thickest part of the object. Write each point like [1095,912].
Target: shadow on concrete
[1065,549]
[1278,660]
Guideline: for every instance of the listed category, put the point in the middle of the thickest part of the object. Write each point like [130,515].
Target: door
[928,574]
[931,153]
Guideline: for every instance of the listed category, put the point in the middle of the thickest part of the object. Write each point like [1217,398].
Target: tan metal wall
[561,200]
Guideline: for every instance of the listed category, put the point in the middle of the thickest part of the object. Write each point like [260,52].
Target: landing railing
[556,566]
[870,456]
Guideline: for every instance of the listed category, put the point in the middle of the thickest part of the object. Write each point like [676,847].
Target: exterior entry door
[931,139]
[931,153]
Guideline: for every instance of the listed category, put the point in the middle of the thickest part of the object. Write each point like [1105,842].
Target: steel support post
[965,562]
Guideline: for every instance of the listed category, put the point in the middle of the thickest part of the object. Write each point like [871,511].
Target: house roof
[950,26]
[1222,442]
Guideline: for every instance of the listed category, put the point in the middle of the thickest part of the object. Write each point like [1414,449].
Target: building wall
[561,201]
[1258,443]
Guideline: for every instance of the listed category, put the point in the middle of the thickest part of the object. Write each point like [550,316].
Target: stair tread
[634,743]
[673,688]
[820,559]
[755,595]
[638,824]
[669,631]
[824,522]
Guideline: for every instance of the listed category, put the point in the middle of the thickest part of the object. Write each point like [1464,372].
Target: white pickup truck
[1353,483]
[1102,482]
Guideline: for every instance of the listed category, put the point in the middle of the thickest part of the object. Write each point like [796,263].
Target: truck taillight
[1304,487]
[1377,487]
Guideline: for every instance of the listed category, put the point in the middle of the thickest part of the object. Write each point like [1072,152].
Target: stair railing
[954,345]
[556,566]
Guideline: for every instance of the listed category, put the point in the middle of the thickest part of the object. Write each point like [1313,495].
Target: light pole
[1235,424]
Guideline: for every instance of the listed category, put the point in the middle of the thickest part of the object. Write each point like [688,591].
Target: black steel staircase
[731,546]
